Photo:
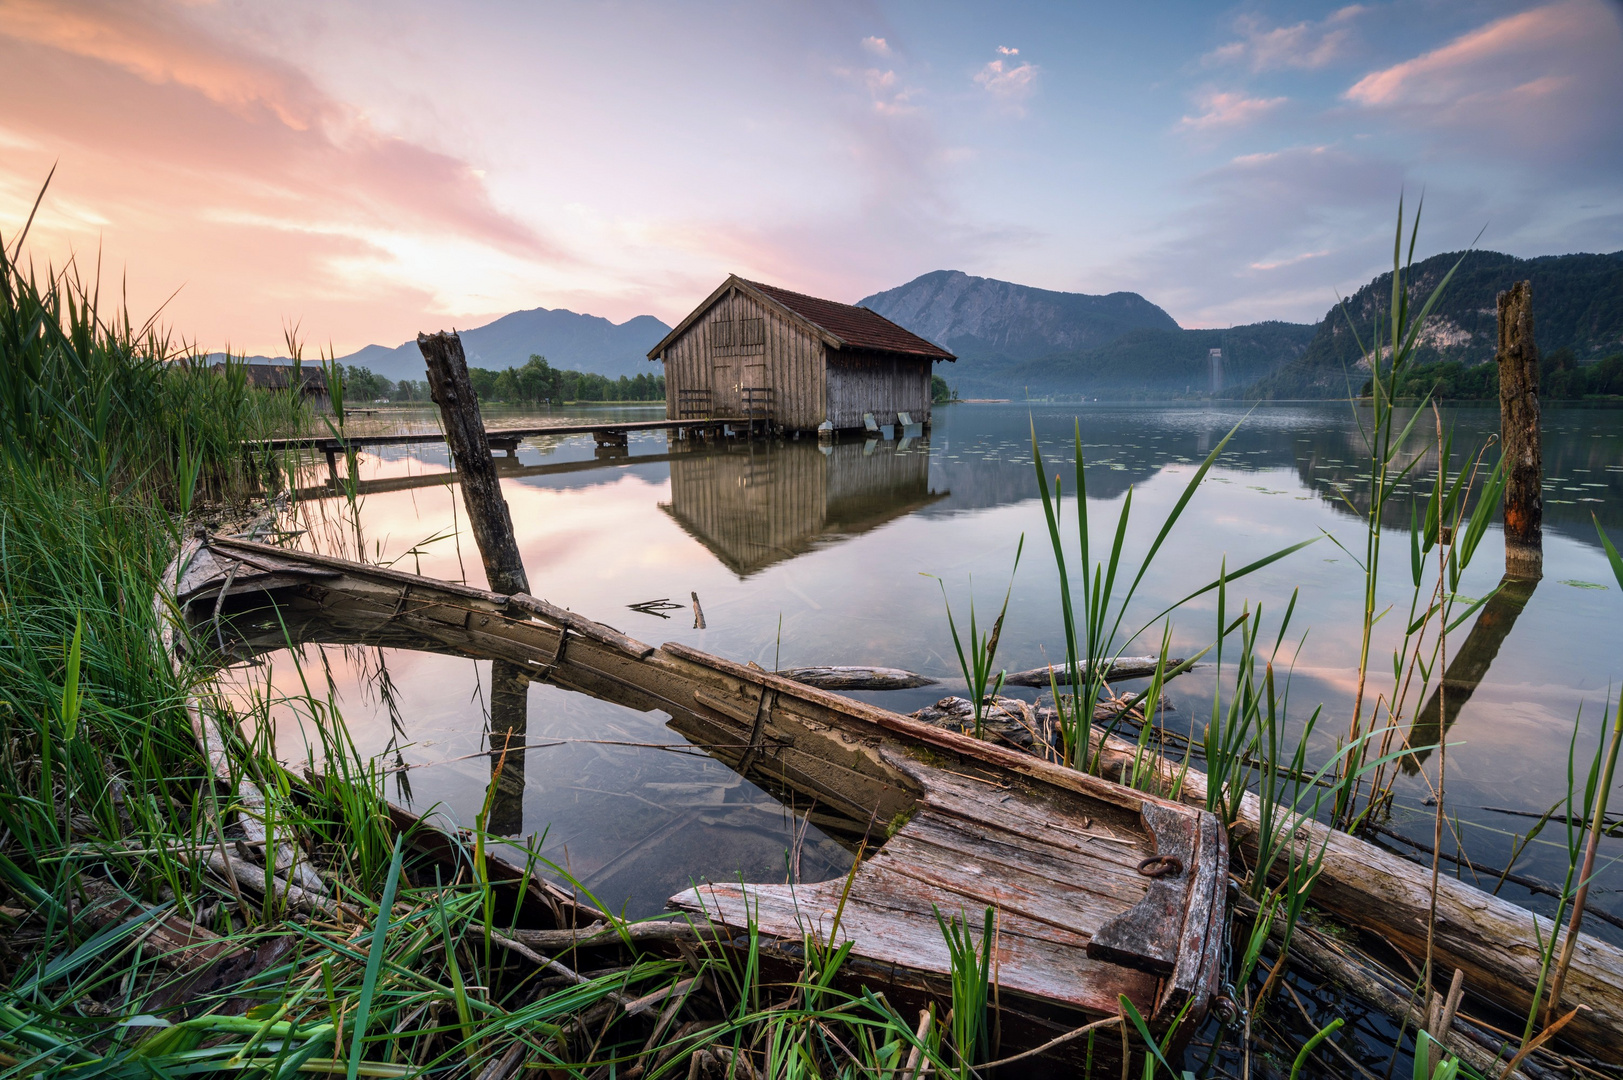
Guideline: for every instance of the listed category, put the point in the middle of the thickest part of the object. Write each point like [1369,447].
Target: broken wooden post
[1519,433]
[452,391]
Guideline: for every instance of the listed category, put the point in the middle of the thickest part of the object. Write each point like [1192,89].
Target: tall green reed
[978,662]
[1094,634]
[971,965]
[1394,343]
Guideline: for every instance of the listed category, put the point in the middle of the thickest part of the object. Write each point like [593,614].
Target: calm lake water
[805,555]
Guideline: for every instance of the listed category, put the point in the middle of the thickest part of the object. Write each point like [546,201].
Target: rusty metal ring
[1161,866]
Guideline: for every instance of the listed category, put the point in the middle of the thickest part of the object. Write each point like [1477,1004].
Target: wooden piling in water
[1519,433]
[509,729]
[452,391]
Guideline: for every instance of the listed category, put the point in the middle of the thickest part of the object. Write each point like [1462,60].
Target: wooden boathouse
[798,362]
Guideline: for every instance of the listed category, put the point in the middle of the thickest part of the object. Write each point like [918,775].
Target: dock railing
[693,405]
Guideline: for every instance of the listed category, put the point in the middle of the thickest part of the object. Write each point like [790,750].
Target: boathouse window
[747,335]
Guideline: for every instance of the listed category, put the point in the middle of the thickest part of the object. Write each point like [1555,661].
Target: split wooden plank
[885,918]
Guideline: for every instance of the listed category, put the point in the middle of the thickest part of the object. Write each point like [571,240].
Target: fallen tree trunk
[1326,958]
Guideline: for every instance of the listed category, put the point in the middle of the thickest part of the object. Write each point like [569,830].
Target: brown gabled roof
[857,327]
[842,326]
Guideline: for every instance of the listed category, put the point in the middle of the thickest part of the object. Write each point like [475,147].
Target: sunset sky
[368,170]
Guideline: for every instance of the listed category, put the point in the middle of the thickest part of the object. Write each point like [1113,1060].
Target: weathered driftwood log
[856,678]
[1327,958]
[470,446]
[1125,667]
[1492,940]
[286,858]
[1519,433]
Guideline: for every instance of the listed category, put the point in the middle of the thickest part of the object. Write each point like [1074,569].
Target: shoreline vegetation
[128,953]
[536,383]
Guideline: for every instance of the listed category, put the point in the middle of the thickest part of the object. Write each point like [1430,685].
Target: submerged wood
[950,823]
[856,678]
[1123,667]
[1328,958]
[196,568]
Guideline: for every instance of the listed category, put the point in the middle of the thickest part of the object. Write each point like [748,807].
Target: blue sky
[369,170]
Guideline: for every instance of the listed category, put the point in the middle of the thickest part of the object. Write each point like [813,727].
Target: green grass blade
[374,960]
[1612,556]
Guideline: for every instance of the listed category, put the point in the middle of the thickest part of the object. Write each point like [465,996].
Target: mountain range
[568,340]
[1018,341]
[1577,305]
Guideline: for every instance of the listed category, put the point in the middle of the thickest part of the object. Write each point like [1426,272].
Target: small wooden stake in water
[1519,433]
[481,488]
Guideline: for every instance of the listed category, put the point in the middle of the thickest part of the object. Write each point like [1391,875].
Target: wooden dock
[507,439]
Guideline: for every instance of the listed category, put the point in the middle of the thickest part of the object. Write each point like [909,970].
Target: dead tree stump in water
[1519,433]
[470,448]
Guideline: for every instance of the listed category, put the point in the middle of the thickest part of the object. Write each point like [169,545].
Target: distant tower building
[1215,360]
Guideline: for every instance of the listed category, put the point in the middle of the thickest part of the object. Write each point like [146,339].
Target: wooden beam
[481,488]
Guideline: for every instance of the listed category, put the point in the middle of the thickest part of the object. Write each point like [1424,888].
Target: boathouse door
[726,378]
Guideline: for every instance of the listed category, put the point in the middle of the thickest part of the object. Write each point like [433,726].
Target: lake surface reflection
[800,554]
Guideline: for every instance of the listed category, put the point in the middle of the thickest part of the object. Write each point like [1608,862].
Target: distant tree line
[363,384]
[1561,378]
[538,382]
[939,390]
[534,383]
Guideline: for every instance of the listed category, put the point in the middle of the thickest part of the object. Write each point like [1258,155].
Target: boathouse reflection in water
[757,504]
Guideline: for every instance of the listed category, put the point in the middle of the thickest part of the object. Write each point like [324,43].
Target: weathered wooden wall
[881,383]
[739,343]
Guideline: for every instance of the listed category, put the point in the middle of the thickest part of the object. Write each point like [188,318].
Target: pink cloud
[1475,64]
[230,173]
[1539,86]
[1304,45]
[1008,82]
[1224,110]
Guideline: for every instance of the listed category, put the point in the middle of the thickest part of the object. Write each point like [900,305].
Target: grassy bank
[133,947]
